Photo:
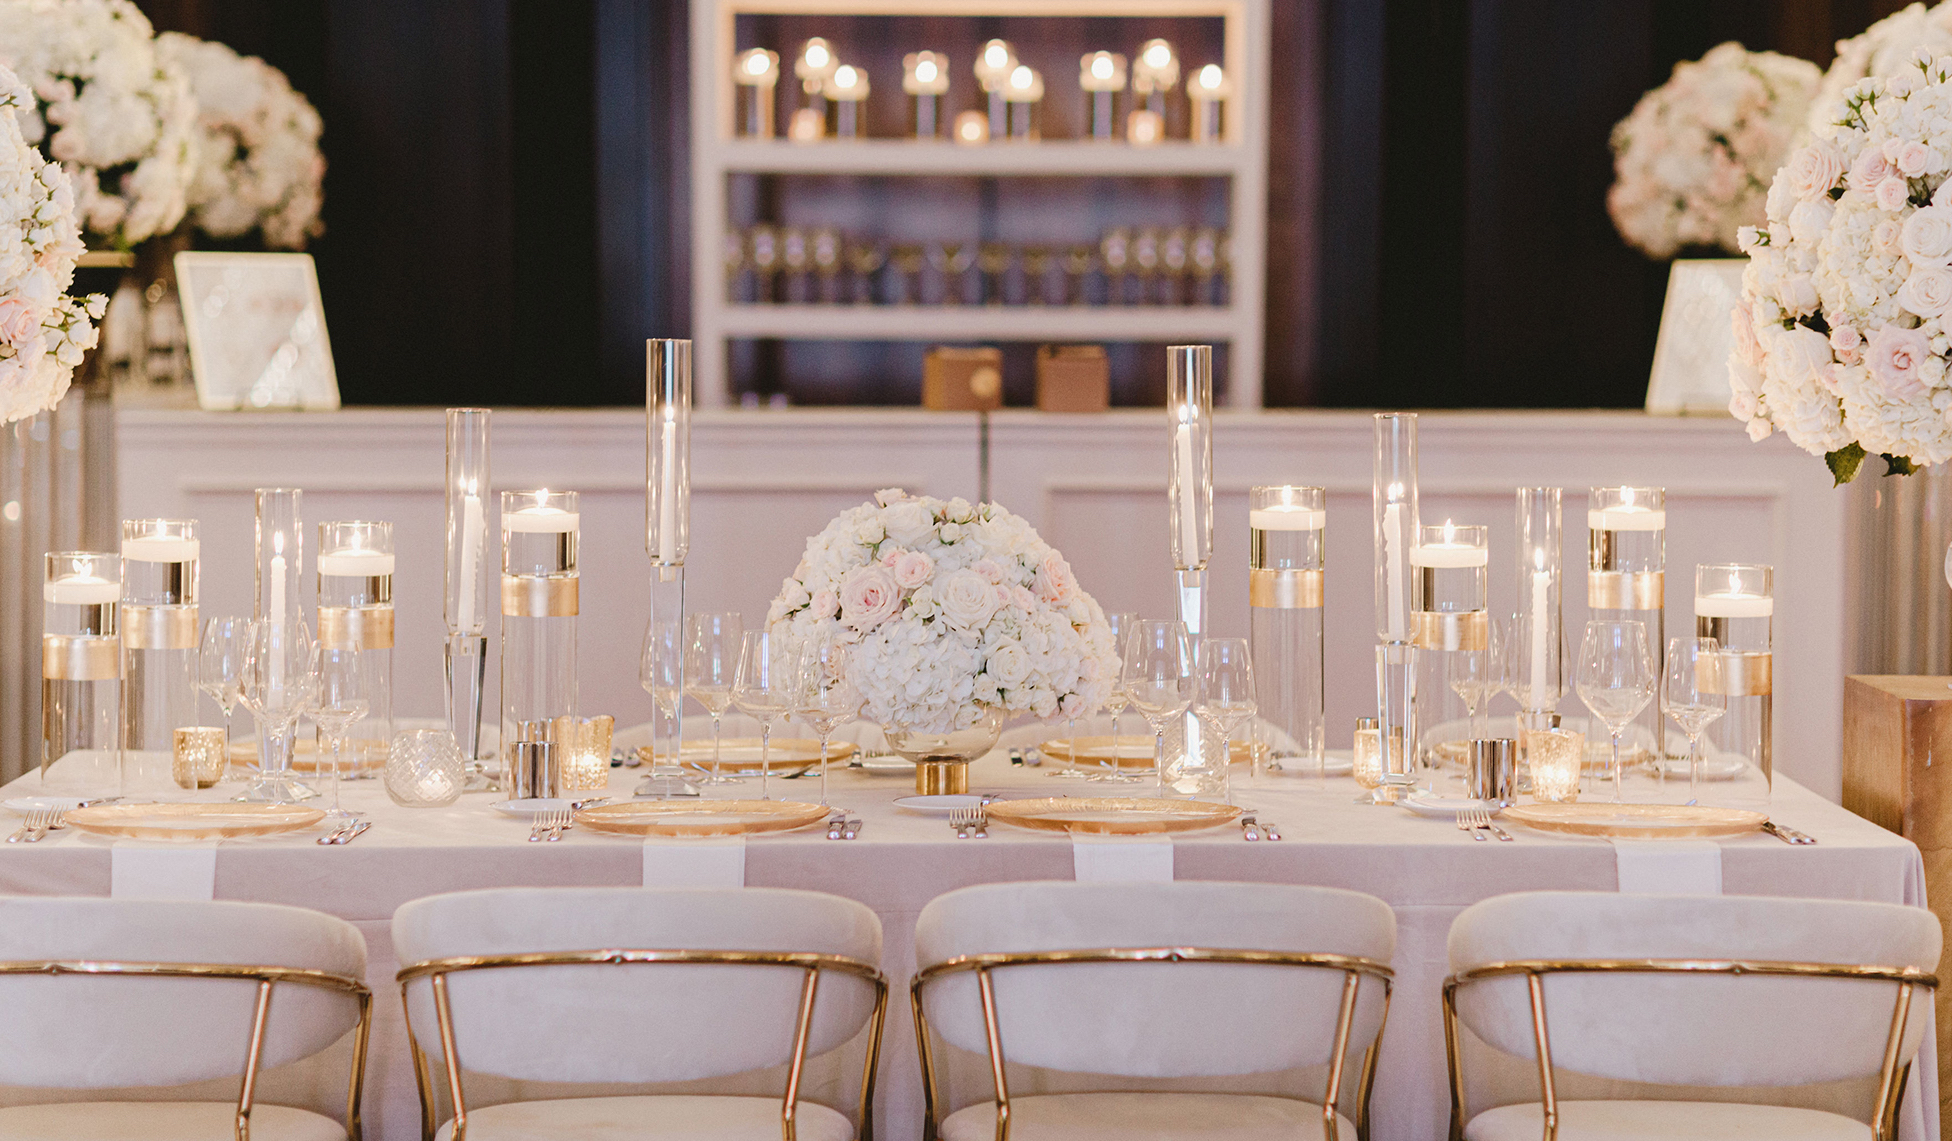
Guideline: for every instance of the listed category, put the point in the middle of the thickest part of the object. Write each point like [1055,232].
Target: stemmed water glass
[824,696]
[1689,703]
[220,665]
[342,701]
[1158,675]
[762,689]
[661,672]
[280,681]
[1225,698]
[711,659]
[1616,678]
[1476,676]
[1116,699]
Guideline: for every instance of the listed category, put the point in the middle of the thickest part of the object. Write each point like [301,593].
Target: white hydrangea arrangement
[258,162]
[121,121]
[951,610]
[1884,48]
[1842,330]
[1692,163]
[43,332]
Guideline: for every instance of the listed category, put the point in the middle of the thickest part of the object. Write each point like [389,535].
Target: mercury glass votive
[1366,763]
[586,764]
[198,758]
[1553,758]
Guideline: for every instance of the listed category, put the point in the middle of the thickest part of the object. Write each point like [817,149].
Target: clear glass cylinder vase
[1734,603]
[1287,539]
[1626,579]
[540,581]
[355,583]
[81,674]
[160,572]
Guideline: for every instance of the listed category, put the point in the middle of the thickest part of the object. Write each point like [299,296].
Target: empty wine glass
[1476,676]
[1616,678]
[711,659]
[1116,699]
[343,701]
[1158,674]
[825,697]
[1690,694]
[660,671]
[763,689]
[280,681]
[1225,699]
[220,665]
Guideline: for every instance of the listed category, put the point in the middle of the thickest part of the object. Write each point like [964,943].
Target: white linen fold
[1121,859]
[144,870]
[1669,867]
[706,861]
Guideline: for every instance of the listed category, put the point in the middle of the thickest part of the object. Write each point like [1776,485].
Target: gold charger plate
[700,817]
[1636,821]
[189,822]
[741,754]
[1133,752]
[1112,815]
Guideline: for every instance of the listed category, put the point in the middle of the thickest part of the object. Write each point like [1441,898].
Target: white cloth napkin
[1121,859]
[139,870]
[706,861]
[1669,867]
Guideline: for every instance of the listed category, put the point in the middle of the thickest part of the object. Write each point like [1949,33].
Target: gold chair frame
[437,970]
[1891,1076]
[266,978]
[1351,967]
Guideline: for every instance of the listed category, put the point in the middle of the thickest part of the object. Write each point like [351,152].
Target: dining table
[1427,869]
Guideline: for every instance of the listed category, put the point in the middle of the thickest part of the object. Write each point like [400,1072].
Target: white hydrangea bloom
[1692,163]
[258,163]
[1883,49]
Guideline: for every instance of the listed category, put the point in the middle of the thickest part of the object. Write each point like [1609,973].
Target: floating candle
[540,519]
[1733,606]
[82,590]
[160,550]
[1287,517]
[356,564]
[1626,517]
[1449,555]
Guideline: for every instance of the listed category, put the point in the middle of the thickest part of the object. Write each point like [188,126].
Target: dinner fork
[560,821]
[36,826]
[960,819]
[1481,819]
[1466,823]
[982,822]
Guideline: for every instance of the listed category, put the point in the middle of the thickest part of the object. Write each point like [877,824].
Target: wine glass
[710,661]
[280,681]
[1477,675]
[220,665]
[1116,699]
[1616,678]
[824,696]
[762,688]
[660,671]
[342,701]
[1224,700]
[1690,704]
[1158,675]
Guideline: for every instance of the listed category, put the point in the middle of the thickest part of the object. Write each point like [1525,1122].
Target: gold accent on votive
[355,627]
[1273,589]
[198,758]
[90,658]
[1736,673]
[1626,590]
[1450,629]
[539,596]
[159,627]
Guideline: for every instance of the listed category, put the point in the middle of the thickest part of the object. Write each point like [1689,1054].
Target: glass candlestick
[755,77]
[281,581]
[1538,645]
[1450,624]
[815,65]
[667,472]
[465,600]
[1735,604]
[1286,529]
[1626,571]
[925,80]
[539,607]
[1189,492]
[355,567]
[159,646]
[1023,91]
[1393,515]
[1102,76]
[81,674]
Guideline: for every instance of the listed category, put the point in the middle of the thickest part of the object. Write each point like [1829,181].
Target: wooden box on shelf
[1073,378]
[962,379]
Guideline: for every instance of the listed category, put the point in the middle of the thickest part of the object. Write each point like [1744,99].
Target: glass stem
[1694,765]
[1072,765]
[765,753]
[1159,755]
[337,741]
[718,772]
[1615,737]
[823,769]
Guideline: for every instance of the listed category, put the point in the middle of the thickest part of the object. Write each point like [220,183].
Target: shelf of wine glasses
[979,322]
[1055,158]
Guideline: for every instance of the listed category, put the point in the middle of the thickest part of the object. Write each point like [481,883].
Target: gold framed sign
[257,332]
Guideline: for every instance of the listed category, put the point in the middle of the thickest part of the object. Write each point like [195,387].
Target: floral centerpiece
[1885,48]
[258,165]
[120,120]
[954,613]
[1845,320]
[1693,161]
[43,332]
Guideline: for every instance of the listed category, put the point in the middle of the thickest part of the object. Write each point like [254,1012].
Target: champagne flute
[342,702]
[710,661]
[220,665]
[1688,702]
[1224,700]
[1116,700]
[1158,674]
[1476,675]
[660,671]
[1616,678]
[763,689]
[825,697]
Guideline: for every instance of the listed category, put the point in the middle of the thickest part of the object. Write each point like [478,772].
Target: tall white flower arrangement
[43,332]
[951,610]
[1884,48]
[1693,161]
[258,164]
[121,121]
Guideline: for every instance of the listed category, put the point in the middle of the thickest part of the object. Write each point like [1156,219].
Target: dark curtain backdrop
[507,202]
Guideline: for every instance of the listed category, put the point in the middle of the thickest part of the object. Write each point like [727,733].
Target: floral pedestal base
[942,759]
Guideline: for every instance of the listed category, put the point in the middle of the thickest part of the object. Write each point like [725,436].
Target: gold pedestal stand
[942,777]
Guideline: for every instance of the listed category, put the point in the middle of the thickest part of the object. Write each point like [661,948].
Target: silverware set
[1477,822]
[841,826]
[1787,835]
[38,824]
[970,822]
[347,832]
[549,826]
[1252,829]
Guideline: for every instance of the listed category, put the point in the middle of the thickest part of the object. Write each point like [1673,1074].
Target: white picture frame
[1690,374]
[257,333]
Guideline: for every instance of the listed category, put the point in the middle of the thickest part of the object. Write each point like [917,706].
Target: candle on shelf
[1102,76]
[847,89]
[972,128]
[1155,73]
[1023,91]
[925,79]
[756,74]
[1208,93]
[993,67]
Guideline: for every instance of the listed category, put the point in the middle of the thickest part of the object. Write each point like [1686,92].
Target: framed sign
[1691,355]
[257,331]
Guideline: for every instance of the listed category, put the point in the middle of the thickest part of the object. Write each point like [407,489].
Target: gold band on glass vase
[1626,590]
[1736,673]
[159,627]
[355,627]
[1273,589]
[68,658]
[1450,629]
[539,596]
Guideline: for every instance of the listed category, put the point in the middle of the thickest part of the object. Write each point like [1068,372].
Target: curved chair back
[1156,1019]
[114,993]
[648,1021]
[1697,1022]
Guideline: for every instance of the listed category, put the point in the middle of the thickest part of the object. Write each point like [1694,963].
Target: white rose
[1809,220]
[966,601]
[1927,291]
[1008,663]
[1797,293]
[1814,170]
[908,522]
[1927,236]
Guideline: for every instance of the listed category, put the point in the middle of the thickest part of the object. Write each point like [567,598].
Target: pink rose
[1892,194]
[890,557]
[965,601]
[16,321]
[1054,582]
[1023,600]
[1869,170]
[1913,158]
[990,569]
[913,569]
[868,597]
[824,604]
[1846,340]
[1894,358]
[1814,169]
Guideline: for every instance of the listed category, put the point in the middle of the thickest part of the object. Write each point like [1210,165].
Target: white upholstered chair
[639,986]
[1688,991]
[1142,985]
[108,994]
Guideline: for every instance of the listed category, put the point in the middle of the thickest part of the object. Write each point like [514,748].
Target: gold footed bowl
[942,759]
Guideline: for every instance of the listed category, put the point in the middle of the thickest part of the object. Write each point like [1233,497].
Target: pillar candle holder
[81,673]
[540,583]
[847,94]
[466,597]
[667,496]
[1450,629]
[1626,573]
[755,77]
[1207,95]
[1538,632]
[1102,76]
[1024,92]
[993,67]
[1735,604]
[1189,493]
[925,80]
[1286,551]
[160,569]
[355,571]
[1393,503]
[280,541]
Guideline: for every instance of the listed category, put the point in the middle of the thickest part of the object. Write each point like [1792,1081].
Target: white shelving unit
[716,156]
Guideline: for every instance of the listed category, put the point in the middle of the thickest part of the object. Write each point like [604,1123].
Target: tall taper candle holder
[280,535]
[1024,92]
[1538,632]
[81,674]
[993,67]
[159,647]
[1286,552]
[539,607]
[1626,573]
[847,95]
[466,598]
[1189,498]
[355,567]
[1735,604]
[667,490]
[1393,505]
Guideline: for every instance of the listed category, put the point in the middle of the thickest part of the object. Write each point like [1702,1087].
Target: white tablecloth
[1426,869]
